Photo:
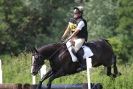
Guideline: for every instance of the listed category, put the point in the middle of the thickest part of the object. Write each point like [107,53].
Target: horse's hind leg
[109,71]
[116,73]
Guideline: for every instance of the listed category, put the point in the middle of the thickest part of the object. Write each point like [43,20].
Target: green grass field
[17,70]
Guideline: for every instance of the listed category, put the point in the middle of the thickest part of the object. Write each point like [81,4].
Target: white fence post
[33,79]
[1,72]
[89,65]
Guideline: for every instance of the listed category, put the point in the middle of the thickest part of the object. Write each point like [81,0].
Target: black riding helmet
[79,9]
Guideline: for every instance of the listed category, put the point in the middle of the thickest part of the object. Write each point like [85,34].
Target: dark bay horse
[61,62]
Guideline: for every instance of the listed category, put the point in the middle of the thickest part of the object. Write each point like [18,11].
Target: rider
[77,26]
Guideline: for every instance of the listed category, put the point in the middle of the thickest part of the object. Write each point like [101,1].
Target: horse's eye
[36,56]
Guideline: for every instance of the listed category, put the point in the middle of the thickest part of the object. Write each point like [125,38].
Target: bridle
[41,57]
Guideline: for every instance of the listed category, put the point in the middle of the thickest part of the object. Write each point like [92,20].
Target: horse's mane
[52,45]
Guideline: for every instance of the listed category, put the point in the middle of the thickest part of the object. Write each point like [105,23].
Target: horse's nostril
[33,73]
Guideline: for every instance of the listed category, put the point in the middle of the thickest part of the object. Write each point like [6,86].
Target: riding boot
[79,58]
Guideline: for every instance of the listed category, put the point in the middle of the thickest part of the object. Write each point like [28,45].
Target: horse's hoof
[39,87]
[48,86]
[116,75]
[119,74]
[112,76]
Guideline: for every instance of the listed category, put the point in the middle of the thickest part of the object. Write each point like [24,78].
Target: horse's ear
[35,50]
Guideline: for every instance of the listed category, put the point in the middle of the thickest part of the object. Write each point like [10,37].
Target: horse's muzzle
[34,73]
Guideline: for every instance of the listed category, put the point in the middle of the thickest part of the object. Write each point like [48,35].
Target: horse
[62,64]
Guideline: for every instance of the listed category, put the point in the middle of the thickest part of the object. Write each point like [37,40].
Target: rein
[58,50]
[54,53]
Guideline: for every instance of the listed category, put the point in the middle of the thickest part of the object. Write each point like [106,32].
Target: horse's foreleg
[39,86]
[47,75]
[55,75]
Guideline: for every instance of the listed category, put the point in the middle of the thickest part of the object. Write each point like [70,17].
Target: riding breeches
[78,43]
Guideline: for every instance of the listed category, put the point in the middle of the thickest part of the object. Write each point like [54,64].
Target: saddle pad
[87,52]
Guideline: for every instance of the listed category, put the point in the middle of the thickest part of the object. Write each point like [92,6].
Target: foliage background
[25,24]
[21,21]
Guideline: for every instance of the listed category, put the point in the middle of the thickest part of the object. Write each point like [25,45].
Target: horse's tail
[114,61]
[107,41]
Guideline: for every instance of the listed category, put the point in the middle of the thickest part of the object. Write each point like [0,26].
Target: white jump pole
[0,72]
[89,65]
[43,71]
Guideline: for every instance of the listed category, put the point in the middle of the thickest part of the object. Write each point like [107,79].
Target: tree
[125,27]
[112,19]
[101,18]
[25,20]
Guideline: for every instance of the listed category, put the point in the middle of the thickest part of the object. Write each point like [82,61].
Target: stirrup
[81,68]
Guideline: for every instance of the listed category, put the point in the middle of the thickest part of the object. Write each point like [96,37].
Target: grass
[17,70]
